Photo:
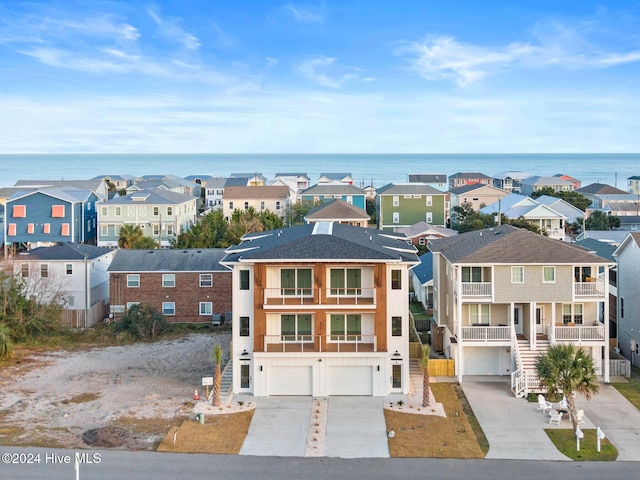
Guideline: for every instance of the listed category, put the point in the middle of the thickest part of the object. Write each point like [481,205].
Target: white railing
[578,333]
[486,333]
[476,289]
[590,289]
[523,382]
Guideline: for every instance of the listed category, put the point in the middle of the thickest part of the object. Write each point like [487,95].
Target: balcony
[320,343]
[476,289]
[313,297]
[486,333]
[592,288]
[578,333]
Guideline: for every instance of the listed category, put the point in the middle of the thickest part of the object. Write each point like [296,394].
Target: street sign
[207,381]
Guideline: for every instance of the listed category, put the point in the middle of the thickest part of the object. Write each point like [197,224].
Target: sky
[333,76]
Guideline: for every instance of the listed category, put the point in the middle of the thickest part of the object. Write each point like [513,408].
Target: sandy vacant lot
[121,397]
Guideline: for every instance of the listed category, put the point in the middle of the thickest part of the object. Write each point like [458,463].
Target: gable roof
[333,189]
[506,244]
[428,177]
[64,251]
[630,238]
[412,188]
[336,209]
[542,181]
[325,241]
[424,270]
[92,184]
[152,196]
[470,175]
[297,175]
[424,228]
[475,186]
[69,195]
[267,192]
[168,260]
[602,249]
[601,189]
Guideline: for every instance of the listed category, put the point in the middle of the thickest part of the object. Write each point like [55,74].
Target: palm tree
[129,235]
[424,363]
[217,379]
[568,369]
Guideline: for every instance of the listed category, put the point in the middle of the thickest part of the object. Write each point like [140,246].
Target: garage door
[482,361]
[290,380]
[351,380]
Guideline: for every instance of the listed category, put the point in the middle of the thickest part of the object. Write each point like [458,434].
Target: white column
[532,326]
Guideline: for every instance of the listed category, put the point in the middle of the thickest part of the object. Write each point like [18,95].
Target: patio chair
[579,415]
[555,417]
[544,404]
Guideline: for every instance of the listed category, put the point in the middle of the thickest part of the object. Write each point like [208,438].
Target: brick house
[187,286]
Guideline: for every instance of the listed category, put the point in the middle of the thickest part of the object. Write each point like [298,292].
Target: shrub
[6,344]
[142,322]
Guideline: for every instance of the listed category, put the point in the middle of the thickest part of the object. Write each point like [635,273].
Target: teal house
[324,192]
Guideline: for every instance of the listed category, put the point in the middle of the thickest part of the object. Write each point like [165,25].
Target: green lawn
[631,389]
[565,442]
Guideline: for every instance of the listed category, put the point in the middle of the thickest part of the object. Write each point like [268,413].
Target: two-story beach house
[161,214]
[504,295]
[628,308]
[321,309]
[404,204]
[261,198]
[327,191]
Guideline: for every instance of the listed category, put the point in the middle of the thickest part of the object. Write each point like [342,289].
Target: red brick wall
[187,293]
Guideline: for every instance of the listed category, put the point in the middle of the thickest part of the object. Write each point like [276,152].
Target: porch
[320,343]
[297,297]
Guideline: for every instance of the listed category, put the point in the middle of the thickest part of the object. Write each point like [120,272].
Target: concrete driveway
[515,429]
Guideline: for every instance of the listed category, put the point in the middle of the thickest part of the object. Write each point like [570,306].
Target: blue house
[324,192]
[45,217]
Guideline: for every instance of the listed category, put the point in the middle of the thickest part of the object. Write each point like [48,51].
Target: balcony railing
[320,343]
[486,333]
[589,289]
[320,296]
[578,333]
[476,289]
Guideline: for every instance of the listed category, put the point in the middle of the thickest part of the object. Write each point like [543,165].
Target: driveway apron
[356,428]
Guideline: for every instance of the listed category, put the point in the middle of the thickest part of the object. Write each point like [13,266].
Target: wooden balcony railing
[319,296]
[320,343]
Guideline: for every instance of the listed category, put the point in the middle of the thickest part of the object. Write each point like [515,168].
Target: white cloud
[312,70]
[304,14]
[271,62]
[169,28]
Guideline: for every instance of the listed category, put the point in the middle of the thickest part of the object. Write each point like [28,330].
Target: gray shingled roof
[156,196]
[506,244]
[337,209]
[413,188]
[601,189]
[169,260]
[323,241]
[470,187]
[602,249]
[65,251]
[333,189]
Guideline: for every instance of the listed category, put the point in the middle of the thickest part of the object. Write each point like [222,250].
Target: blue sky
[210,76]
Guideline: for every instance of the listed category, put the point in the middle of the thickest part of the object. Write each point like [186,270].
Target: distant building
[536,183]
[404,204]
[260,198]
[462,179]
[510,180]
[421,232]
[634,184]
[628,257]
[336,178]
[435,180]
[338,211]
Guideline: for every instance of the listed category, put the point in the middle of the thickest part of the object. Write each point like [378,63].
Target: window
[118,211]
[396,217]
[11,230]
[346,327]
[89,206]
[549,274]
[64,231]
[246,205]
[396,279]
[168,280]
[429,201]
[57,211]
[396,376]
[429,217]
[472,274]
[156,211]
[31,228]
[621,307]
[230,205]
[133,280]
[572,313]
[244,326]
[169,308]
[170,229]
[244,279]
[351,278]
[46,228]
[169,210]
[245,376]
[19,211]
[104,230]
[206,308]
[68,268]
[104,211]
[396,200]
[262,205]
[296,327]
[132,304]
[206,280]
[517,274]
[44,270]
[156,229]
[480,314]
[24,270]
[295,281]
[88,225]
[278,205]
[71,301]
[422,241]
[396,326]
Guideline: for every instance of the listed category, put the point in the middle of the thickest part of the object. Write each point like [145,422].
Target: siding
[533,289]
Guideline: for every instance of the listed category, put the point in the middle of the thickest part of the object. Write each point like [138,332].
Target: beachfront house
[38,218]
[462,179]
[296,182]
[628,308]
[404,204]
[161,214]
[634,184]
[261,198]
[74,274]
[435,180]
[537,182]
[321,309]
[602,194]
[509,180]
[504,295]
[186,286]
[345,178]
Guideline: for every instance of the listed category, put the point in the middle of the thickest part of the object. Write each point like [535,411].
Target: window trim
[553,269]
[244,326]
[520,269]
[166,308]
[168,280]
[241,275]
[396,329]
[396,283]
[133,280]
[203,283]
[205,313]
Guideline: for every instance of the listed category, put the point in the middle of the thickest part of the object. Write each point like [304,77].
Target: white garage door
[351,380]
[482,361]
[290,380]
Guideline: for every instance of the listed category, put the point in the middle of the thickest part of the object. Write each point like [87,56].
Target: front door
[540,320]
[396,376]
[517,319]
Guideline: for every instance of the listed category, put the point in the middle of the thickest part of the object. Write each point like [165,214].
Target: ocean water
[366,169]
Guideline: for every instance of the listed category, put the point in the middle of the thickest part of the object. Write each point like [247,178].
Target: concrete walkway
[515,429]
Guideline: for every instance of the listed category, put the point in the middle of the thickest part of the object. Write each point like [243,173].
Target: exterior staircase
[226,384]
[415,376]
[527,372]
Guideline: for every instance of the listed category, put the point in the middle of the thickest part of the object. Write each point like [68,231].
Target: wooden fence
[442,367]
[620,368]
[76,318]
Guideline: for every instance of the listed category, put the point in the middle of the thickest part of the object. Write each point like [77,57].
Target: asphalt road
[114,465]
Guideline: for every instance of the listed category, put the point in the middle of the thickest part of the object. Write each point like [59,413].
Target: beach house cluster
[323,308]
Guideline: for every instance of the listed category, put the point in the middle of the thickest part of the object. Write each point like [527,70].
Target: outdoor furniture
[216,320]
[544,404]
[579,415]
[555,417]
